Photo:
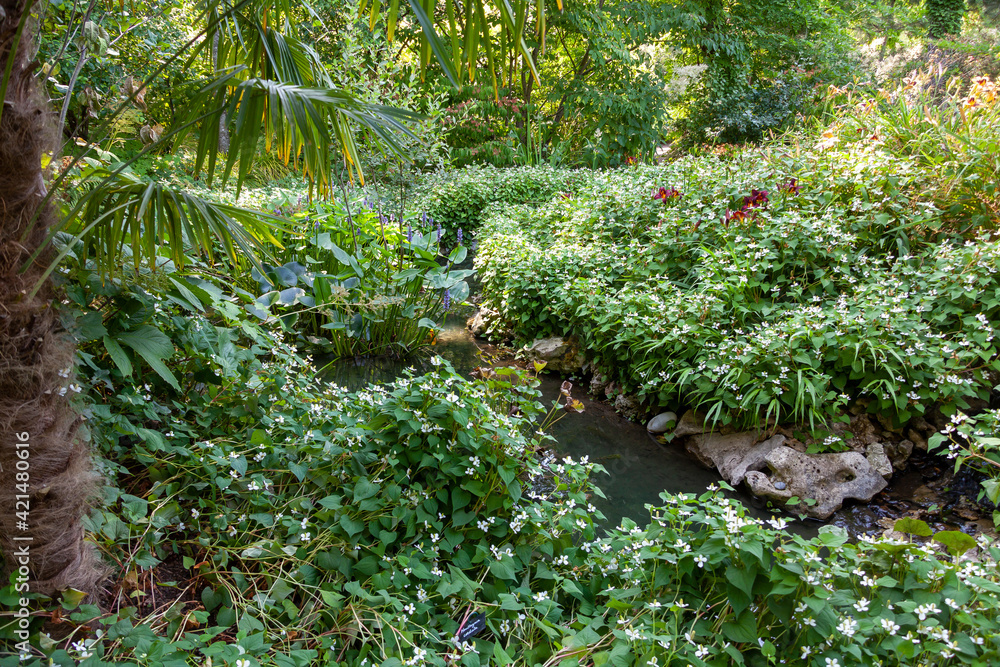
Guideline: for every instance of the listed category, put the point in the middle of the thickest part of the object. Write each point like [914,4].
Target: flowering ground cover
[783,283]
[260,516]
[423,523]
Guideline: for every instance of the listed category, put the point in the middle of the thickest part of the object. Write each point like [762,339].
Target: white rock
[662,422]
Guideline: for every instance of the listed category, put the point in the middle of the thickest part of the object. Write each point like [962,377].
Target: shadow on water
[638,467]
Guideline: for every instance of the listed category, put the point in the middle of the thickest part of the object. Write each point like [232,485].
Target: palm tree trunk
[46,480]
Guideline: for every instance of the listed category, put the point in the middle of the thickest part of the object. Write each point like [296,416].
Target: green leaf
[153,346]
[118,355]
[350,526]
[502,569]
[955,541]
[743,631]
[90,327]
[364,489]
[832,536]
[911,526]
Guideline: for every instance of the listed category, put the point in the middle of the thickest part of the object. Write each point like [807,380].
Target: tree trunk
[46,480]
[223,121]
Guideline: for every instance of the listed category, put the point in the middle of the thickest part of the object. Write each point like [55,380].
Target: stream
[638,468]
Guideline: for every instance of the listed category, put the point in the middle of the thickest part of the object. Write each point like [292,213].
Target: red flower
[756,198]
[791,187]
[735,215]
[666,193]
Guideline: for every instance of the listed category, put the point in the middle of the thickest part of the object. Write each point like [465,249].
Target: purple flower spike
[447,299]
[459,236]
[409,234]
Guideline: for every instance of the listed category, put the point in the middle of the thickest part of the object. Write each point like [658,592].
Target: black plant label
[473,626]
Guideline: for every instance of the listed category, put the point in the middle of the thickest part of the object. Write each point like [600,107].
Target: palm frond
[496,26]
[120,211]
[302,124]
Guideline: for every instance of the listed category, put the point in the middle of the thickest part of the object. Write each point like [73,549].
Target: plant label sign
[472,627]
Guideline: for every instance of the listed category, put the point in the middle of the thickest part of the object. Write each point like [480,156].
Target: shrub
[944,17]
[947,127]
[826,291]
[360,283]
[461,198]
[423,522]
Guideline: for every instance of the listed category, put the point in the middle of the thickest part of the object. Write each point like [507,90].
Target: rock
[561,355]
[780,486]
[935,419]
[899,453]
[691,423]
[598,383]
[479,323]
[924,496]
[628,406]
[886,423]
[919,441]
[732,454]
[829,479]
[863,430]
[662,422]
[859,406]
[879,460]
[922,426]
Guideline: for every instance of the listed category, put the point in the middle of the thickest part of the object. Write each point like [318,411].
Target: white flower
[81,648]
[848,627]
[806,650]
[924,610]
[889,626]
[832,662]
[242,662]
[777,524]
[700,560]
[862,604]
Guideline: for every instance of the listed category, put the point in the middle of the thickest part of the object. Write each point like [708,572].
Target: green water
[638,468]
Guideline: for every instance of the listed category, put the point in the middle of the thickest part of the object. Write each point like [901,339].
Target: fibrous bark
[44,494]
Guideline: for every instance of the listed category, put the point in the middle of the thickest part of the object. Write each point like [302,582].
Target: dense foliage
[782,283]
[332,527]
[256,513]
[944,17]
[385,295]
